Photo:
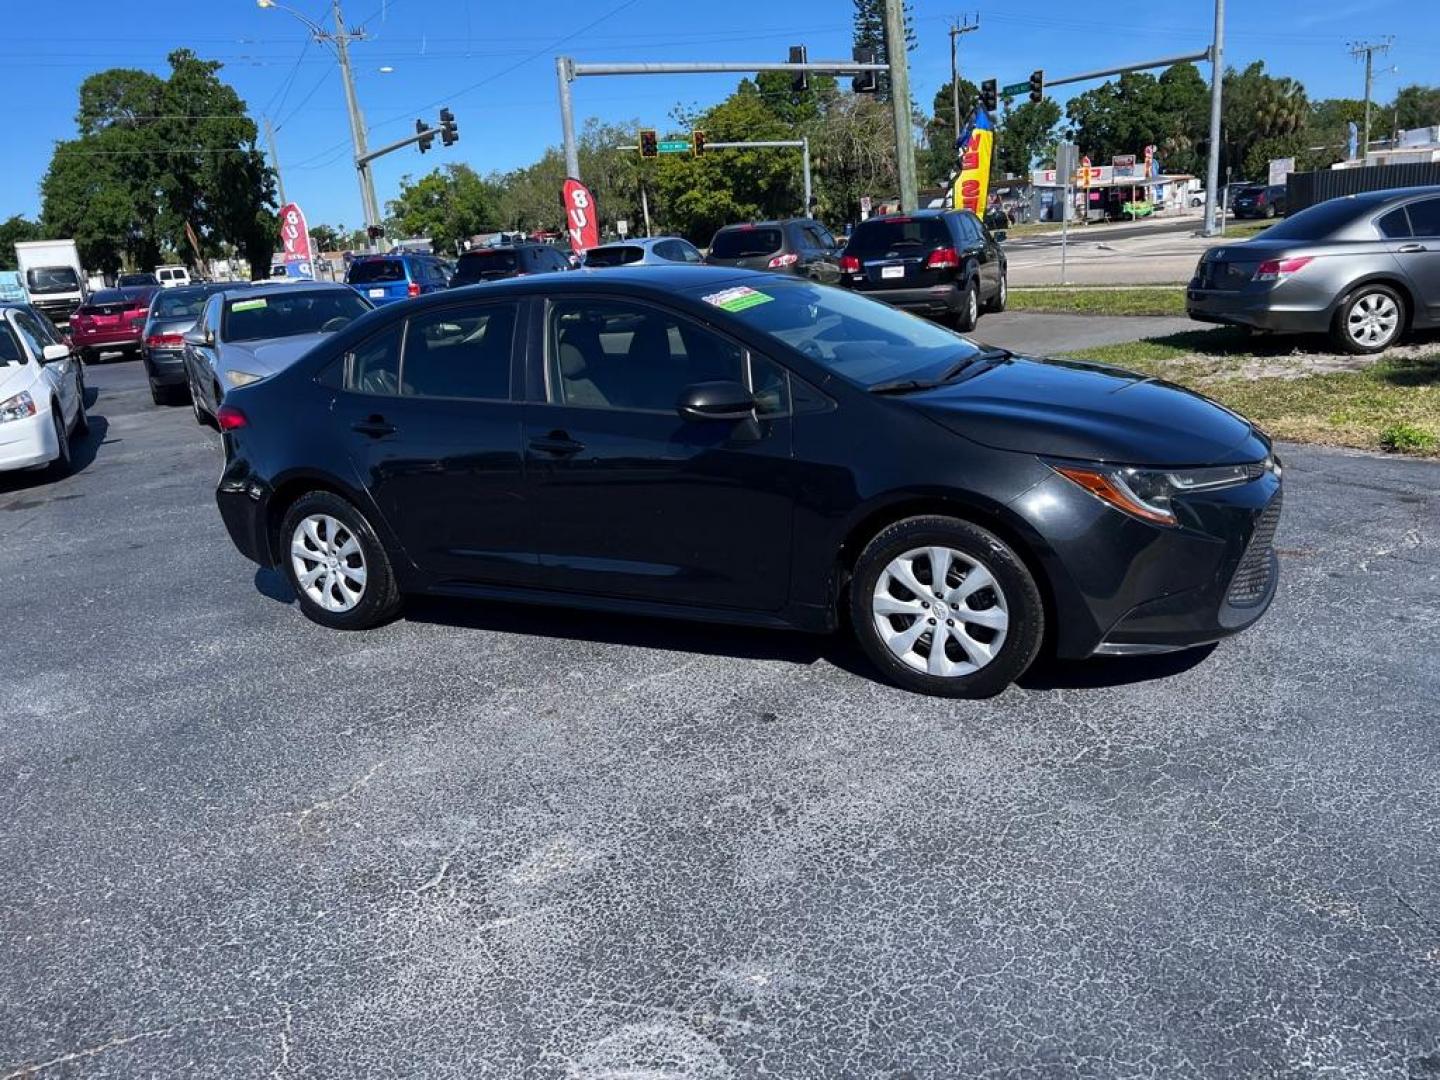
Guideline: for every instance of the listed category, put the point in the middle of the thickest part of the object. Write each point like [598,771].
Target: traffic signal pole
[567,71]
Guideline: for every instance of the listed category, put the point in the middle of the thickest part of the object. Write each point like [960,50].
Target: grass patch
[1106,301]
[1247,228]
[1392,404]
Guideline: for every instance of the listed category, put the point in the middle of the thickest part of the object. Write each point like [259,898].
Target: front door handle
[1412,248]
[376,427]
[557,444]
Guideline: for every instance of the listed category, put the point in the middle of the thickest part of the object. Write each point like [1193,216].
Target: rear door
[426,412]
[819,258]
[1419,254]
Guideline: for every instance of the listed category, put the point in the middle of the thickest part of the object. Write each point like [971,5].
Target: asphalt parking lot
[492,842]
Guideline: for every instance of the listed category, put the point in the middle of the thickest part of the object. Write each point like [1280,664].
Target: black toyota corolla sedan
[744,447]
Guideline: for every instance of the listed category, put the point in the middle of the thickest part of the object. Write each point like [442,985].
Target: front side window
[1425,217]
[460,353]
[609,354]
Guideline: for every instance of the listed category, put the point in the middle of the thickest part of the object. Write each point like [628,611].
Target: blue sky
[493,63]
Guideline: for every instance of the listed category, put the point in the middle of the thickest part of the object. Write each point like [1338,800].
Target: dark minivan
[1260,201]
[942,263]
[794,246]
[734,446]
[507,261]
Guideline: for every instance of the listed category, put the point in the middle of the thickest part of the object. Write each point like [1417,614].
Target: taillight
[1280,269]
[849,264]
[788,259]
[942,259]
[229,418]
[413,289]
[164,341]
[1260,198]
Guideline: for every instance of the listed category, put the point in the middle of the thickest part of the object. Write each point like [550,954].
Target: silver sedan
[646,251]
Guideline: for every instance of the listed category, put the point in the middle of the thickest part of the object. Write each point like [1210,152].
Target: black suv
[794,246]
[1260,201]
[507,261]
[943,263]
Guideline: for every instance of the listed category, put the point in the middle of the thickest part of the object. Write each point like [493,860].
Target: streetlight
[340,40]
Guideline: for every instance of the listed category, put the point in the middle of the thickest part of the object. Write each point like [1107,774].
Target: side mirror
[1000,236]
[723,400]
[52,354]
[197,337]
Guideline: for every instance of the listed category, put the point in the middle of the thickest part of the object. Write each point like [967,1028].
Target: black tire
[1002,297]
[968,315]
[1022,603]
[1342,332]
[82,422]
[61,465]
[380,598]
[159,394]
[201,416]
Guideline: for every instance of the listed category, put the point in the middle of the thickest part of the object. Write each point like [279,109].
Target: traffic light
[799,80]
[375,232]
[449,130]
[649,143]
[697,142]
[864,82]
[989,95]
[1037,86]
[427,137]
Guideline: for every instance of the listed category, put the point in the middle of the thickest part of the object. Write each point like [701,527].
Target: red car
[111,319]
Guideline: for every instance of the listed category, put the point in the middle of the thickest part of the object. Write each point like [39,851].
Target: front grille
[1252,576]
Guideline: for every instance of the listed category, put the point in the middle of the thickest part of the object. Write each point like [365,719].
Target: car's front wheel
[1369,320]
[336,564]
[944,607]
[1001,298]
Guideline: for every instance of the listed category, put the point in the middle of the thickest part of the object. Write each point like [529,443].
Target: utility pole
[900,101]
[275,160]
[1368,49]
[1217,81]
[956,29]
[368,202]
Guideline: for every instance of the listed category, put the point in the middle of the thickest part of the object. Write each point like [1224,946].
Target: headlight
[241,378]
[17,408]
[1147,493]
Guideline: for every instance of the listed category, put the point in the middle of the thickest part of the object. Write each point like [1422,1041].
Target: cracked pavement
[476,843]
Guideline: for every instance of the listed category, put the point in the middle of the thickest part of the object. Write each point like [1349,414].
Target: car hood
[1064,408]
[270,355]
[14,378]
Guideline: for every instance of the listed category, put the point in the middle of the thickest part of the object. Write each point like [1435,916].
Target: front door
[631,500]
[434,436]
[61,372]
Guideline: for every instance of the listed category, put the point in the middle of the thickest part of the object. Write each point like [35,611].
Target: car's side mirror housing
[720,400]
[52,354]
[1000,236]
[197,337]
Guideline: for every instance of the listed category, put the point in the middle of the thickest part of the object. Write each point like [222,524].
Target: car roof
[268,288]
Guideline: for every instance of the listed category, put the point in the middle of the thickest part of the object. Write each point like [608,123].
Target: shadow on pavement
[1048,673]
[83,451]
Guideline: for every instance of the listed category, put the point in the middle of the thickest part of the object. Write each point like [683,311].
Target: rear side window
[375,270]
[1425,217]
[743,243]
[460,353]
[898,236]
[1394,225]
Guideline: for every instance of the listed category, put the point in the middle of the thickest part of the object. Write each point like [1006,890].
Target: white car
[171,277]
[42,392]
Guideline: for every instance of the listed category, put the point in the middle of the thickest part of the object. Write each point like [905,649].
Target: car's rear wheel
[969,313]
[336,564]
[944,607]
[1370,320]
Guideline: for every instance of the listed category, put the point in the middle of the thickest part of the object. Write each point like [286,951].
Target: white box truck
[54,279]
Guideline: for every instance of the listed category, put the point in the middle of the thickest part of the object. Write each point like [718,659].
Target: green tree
[1026,132]
[1169,112]
[1264,117]
[448,205]
[153,155]
[938,156]
[1416,106]
[870,34]
[327,238]
[13,230]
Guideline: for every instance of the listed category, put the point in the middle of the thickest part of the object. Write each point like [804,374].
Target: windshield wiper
[910,386]
[906,386]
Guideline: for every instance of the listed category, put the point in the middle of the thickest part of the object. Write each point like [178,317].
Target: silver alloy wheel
[328,561]
[972,311]
[1373,320]
[1004,290]
[925,610]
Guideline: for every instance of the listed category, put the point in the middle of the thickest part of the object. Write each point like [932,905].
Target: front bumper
[28,443]
[932,300]
[1123,587]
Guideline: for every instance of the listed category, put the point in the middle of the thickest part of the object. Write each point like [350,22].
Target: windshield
[52,279]
[613,256]
[286,314]
[898,236]
[861,340]
[744,242]
[373,270]
[181,303]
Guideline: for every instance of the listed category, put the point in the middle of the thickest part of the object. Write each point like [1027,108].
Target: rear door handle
[375,426]
[1411,248]
[556,444]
